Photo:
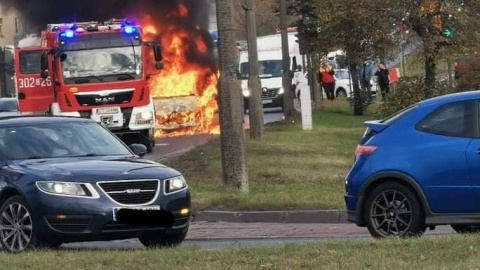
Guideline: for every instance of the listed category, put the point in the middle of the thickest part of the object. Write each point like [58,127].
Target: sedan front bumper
[67,219]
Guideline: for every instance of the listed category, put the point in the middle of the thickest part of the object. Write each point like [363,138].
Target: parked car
[419,168]
[343,84]
[68,179]
[9,107]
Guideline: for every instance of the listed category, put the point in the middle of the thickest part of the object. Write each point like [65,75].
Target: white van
[270,72]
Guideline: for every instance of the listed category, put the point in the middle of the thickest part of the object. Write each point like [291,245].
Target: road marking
[162,144]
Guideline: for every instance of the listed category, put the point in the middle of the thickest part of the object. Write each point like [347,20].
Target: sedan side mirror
[139,149]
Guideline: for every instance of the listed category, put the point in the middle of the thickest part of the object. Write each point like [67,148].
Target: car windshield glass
[342,74]
[102,62]
[9,105]
[268,69]
[67,139]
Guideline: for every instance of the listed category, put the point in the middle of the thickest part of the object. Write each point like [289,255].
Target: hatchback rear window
[399,114]
[454,119]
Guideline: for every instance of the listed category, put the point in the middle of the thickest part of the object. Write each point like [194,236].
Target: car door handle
[478,151]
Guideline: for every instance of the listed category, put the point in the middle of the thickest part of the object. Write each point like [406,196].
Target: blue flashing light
[68,34]
[129,29]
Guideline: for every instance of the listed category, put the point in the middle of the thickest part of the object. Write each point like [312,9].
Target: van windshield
[267,69]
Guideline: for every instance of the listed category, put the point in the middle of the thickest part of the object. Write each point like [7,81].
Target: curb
[300,216]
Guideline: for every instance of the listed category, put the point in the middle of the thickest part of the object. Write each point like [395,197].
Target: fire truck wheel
[149,147]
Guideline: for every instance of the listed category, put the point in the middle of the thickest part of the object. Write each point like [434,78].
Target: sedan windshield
[69,139]
[94,63]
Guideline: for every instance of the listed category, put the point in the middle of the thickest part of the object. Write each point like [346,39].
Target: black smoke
[36,14]
[39,13]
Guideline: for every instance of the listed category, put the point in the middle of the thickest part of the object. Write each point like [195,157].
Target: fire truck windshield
[102,64]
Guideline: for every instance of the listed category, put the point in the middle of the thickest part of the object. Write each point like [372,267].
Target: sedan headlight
[67,189]
[175,184]
[281,91]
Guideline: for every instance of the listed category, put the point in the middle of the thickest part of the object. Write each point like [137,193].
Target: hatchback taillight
[363,150]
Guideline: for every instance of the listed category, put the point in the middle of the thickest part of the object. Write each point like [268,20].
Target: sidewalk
[229,230]
[307,216]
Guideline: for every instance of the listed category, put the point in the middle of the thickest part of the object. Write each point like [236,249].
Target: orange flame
[184,92]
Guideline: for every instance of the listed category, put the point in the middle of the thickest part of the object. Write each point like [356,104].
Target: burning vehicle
[182,94]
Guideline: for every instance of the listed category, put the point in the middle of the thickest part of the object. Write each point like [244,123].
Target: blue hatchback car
[419,168]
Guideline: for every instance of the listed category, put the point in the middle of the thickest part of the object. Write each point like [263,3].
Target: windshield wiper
[124,76]
[90,155]
[35,157]
[85,79]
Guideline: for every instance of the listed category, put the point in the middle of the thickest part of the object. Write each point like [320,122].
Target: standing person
[326,78]
[366,72]
[383,80]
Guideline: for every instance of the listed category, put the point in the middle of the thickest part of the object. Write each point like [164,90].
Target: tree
[255,99]
[440,24]
[288,109]
[266,22]
[363,32]
[232,138]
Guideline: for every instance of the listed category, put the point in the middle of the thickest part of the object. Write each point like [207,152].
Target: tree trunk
[430,67]
[255,99]
[286,78]
[312,71]
[232,137]
[358,96]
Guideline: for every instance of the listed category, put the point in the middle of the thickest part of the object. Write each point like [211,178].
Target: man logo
[105,100]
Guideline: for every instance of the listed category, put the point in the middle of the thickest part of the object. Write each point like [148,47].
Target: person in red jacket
[326,78]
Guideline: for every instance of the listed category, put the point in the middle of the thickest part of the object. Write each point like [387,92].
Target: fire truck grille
[113,98]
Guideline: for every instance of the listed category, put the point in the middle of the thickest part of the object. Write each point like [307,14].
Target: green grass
[290,169]
[445,252]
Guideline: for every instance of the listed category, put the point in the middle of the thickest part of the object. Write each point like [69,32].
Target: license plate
[267,101]
[110,110]
[141,208]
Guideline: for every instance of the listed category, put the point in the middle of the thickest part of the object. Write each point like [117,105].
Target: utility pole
[232,137]
[255,105]
[286,79]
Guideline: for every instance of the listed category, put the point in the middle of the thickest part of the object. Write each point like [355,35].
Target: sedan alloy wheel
[16,226]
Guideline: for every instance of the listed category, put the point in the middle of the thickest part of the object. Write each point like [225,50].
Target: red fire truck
[93,70]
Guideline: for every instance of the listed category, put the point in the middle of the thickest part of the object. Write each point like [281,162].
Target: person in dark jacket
[383,80]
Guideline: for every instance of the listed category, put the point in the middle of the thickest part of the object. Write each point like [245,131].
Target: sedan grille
[133,192]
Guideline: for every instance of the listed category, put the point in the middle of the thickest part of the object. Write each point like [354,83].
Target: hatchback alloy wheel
[391,213]
[393,210]
[15,226]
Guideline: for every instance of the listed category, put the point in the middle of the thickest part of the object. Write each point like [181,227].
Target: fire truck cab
[92,70]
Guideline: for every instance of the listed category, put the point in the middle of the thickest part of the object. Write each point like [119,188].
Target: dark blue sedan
[418,169]
[68,179]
